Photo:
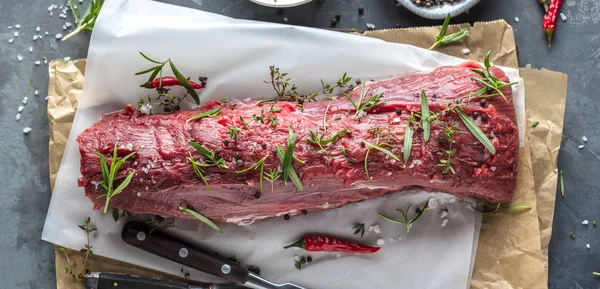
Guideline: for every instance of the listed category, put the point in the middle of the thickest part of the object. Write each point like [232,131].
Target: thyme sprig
[233,132]
[210,113]
[359,228]
[449,132]
[271,177]
[259,164]
[378,146]
[490,83]
[88,20]
[318,139]
[158,70]
[495,208]
[201,217]
[362,107]
[109,176]
[71,265]
[406,221]
[441,39]
[118,214]
[157,220]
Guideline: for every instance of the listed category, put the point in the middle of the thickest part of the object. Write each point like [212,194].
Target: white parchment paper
[235,55]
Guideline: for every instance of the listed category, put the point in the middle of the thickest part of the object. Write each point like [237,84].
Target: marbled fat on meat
[165,179]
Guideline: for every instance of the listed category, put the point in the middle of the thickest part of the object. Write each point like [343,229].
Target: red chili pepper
[544,4]
[169,81]
[551,18]
[328,244]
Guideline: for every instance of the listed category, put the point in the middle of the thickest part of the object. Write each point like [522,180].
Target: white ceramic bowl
[280,3]
[439,11]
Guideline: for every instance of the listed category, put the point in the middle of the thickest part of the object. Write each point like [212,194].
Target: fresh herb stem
[425,115]
[476,132]
[259,164]
[489,82]
[271,177]
[497,207]
[233,132]
[408,138]
[87,21]
[405,219]
[211,157]
[201,217]
[361,107]
[210,113]
[562,185]
[441,39]
[109,175]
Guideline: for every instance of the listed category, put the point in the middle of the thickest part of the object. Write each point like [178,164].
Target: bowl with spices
[438,9]
[280,3]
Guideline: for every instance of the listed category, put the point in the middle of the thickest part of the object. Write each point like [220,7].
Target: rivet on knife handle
[160,244]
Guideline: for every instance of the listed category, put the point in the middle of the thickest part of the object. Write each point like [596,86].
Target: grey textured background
[27,262]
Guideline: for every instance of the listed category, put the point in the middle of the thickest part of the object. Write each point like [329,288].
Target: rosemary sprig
[317,139]
[212,158]
[405,220]
[158,70]
[271,177]
[109,175]
[562,185]
[233,132]
[202,218]
[596,273]
[408,138]
[87,21]
[492,209]
[199,170]
[259,164]
[425,115]
[359,228]
[381,149]
[489,82]
[441,39]
[476,132]
[286,161]
[210,113]
[361,107]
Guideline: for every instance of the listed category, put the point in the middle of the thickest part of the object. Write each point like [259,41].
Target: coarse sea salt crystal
[58,36]
[584,138]
[376,229]
[46,98]
[16,34]
[371,228]
[11,40]
[444,214]
[432,203]
[380,242]
[393,241]
[35,37]
[285,19]
[581,146]
[30,49]
[26,130]
[18,116]
[66,59]
[68,24]
[37,29]
[466,51]
[36,92]
[37,62]
[9,27]
[46,32]
[587,245]
[25,100]
[18,26]
[585,222]
[19,57]
[517,19]
[370,25]
[444,222]
[563,17]
[21,108]
[64,27]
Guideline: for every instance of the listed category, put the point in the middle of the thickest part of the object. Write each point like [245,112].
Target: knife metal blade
[101,280]
[142,236]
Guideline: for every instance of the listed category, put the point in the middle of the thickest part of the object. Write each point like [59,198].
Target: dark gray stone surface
[27,262]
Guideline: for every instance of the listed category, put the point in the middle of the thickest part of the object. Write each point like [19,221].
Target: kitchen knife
[100,280]
[158,243]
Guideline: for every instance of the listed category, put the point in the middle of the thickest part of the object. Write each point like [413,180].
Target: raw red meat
[165,179]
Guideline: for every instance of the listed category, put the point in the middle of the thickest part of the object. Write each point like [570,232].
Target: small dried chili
[169,81]
[328,244]
[551,18]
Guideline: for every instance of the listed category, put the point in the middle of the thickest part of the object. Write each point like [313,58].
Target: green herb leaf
[596,273]
[150,59]
[210,113]
[562,185]
[87,21]
[379,148]
[291,171]
[185,83]
[425,122]
[442,40]
[289,152]
[199,171]
[151,69]
[259,164]
[109,175]
[476,132]
[210,156]
[201,218]
[408,140]
[405,219]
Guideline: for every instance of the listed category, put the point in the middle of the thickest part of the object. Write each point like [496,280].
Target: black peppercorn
[338,16]
[358,82]
[237,155]
[361,9]
[362,143]
[309,259]
[475,114]
[398,111]
[254,270]
[300,101]
[177,107]
[264,146]
[257,195]
[304,212]
[280,11]
[225,142]
[484,117]
[302,261]
[419,129]
[483,102]
[286,217]
[167,109]
[274,151]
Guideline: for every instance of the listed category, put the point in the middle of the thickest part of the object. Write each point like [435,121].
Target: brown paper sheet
[512,251]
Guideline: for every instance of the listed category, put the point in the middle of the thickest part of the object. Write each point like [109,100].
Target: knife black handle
[158,243]
[114,280]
